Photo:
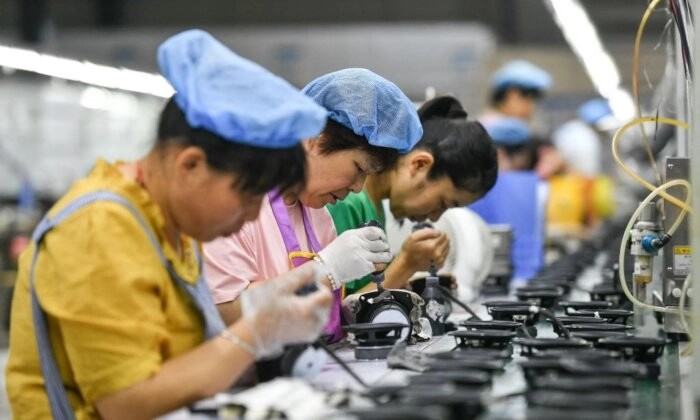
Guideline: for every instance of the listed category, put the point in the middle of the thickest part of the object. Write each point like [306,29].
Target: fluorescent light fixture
[85,72]
[575,24]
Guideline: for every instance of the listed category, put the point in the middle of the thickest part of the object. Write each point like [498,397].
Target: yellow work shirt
[114,314]
[576,202]
[568,207]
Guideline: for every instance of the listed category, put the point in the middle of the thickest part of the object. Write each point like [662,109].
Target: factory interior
[379,209]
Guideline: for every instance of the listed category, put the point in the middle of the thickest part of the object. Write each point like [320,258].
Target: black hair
[461,149]
[528,150]
[258,170]
[499,95]
[336,137]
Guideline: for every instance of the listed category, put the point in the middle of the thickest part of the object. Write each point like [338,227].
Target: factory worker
[516,89]
[519,197]
[370,121]
[580,147]
[112,289]
[580,195]
[520,150]
[513,140]
[598,116]
[452,165]
[597,113]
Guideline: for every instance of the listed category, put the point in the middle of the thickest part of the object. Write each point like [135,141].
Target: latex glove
[277,316]
[355,252]
[425,245]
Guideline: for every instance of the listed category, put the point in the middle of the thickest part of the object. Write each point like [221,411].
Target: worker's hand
[356,253]
[417,284]
[453,281]
[277,316]
[425,245]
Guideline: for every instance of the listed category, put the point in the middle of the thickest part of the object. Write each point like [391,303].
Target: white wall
[55,130]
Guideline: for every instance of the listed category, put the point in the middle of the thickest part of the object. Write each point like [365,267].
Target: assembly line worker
[370,121]
[581,196]
[519,197]
[115,268]
[516,89]
[452,165]
[514,143]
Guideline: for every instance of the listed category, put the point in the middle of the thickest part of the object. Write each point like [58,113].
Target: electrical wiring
[688,11]
[635,83]
[340,362]
[446,293]
[616,156]
[625,238]
[558,326]
[683,36]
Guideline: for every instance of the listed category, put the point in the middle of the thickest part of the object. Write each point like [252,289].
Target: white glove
[354,253]
[276,316]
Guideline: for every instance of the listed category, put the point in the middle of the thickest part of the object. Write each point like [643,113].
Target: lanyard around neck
[284,223]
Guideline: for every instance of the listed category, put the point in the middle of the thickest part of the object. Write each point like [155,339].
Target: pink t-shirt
[257,252]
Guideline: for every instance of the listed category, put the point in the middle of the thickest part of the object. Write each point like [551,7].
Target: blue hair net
[506,131]
[521,74]
[370,106]
[594,110]
[233,97]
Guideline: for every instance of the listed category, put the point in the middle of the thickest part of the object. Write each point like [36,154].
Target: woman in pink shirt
[370,121]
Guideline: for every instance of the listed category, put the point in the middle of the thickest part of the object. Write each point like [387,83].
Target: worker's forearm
[398,273]
[230,311]
[200,373]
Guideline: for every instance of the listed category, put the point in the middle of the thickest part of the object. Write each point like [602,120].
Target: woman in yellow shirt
[111,288]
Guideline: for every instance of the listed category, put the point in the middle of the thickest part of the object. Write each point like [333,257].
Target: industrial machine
[676,265]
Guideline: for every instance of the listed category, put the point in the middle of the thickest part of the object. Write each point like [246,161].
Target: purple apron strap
[291,243]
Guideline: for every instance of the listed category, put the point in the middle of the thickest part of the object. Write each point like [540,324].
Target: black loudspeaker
[490,339]
[544,297]
[387,306]
[374,341]
[531,346]
[615,316]
[572,306]
[643,350]
[490,325]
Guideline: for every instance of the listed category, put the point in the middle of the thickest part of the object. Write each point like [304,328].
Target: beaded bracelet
[238,341]
[335,284]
